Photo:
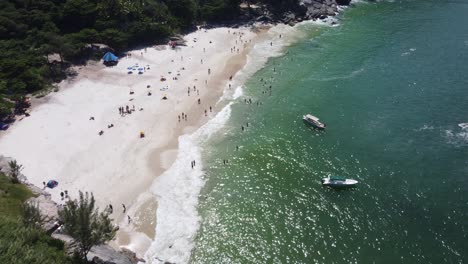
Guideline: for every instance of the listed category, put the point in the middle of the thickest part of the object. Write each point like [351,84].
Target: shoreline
[107,174]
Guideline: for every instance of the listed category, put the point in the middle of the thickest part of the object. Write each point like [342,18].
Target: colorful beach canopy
[52,184]
[109,56]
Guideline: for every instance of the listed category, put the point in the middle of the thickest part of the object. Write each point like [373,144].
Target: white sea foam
[177,193]
[424,127]
[458,138]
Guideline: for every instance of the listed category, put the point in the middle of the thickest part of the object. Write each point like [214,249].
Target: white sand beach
[60,141]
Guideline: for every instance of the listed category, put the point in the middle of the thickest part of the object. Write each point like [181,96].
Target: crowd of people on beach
[192,91]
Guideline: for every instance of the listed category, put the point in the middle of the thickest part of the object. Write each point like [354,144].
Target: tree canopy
[88,227]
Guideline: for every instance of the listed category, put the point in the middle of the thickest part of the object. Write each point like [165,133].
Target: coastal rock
[47,208]
[104,254]
[343,2]
[132,256]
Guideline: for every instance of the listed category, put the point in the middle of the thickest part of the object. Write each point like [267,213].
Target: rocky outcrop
[47,208]
[102,254]
[304,10]
[343,2]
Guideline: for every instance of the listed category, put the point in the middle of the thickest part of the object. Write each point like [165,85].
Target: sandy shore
[151,176]
[59,141]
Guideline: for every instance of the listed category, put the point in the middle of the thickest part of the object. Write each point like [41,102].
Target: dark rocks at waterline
[303,10]
[343,2]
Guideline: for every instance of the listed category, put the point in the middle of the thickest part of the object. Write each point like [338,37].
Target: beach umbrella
[52,184]
[109,56]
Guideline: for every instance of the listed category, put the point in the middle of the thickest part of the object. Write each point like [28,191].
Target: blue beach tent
[110,57]
[52,184]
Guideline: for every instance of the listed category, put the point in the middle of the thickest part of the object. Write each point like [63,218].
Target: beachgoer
[242,128]
[111,209]
[237,148]
[124,208]
[198,100]
[210,108]
[62,194]
[179,118]
[129,219]
[101,132]
[91,118]
[205,112]
[209,70]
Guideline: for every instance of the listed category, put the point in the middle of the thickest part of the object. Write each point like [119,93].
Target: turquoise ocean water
[391,83]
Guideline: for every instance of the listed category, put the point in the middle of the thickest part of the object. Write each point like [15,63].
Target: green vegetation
[86,224]
[21,243]
[15,170]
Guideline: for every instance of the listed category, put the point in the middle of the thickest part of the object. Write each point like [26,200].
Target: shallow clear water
[391,82]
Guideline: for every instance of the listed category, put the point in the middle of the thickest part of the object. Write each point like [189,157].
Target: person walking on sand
[209,70]
[242,127]
[124,208]
[210,109]
[205,112]
[198,100]
[129,219]
[179,118]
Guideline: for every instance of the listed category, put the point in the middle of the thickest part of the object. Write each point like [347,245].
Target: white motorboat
[314,121]
[338,181]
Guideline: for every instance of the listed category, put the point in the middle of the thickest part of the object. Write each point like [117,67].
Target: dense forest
[32,29]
